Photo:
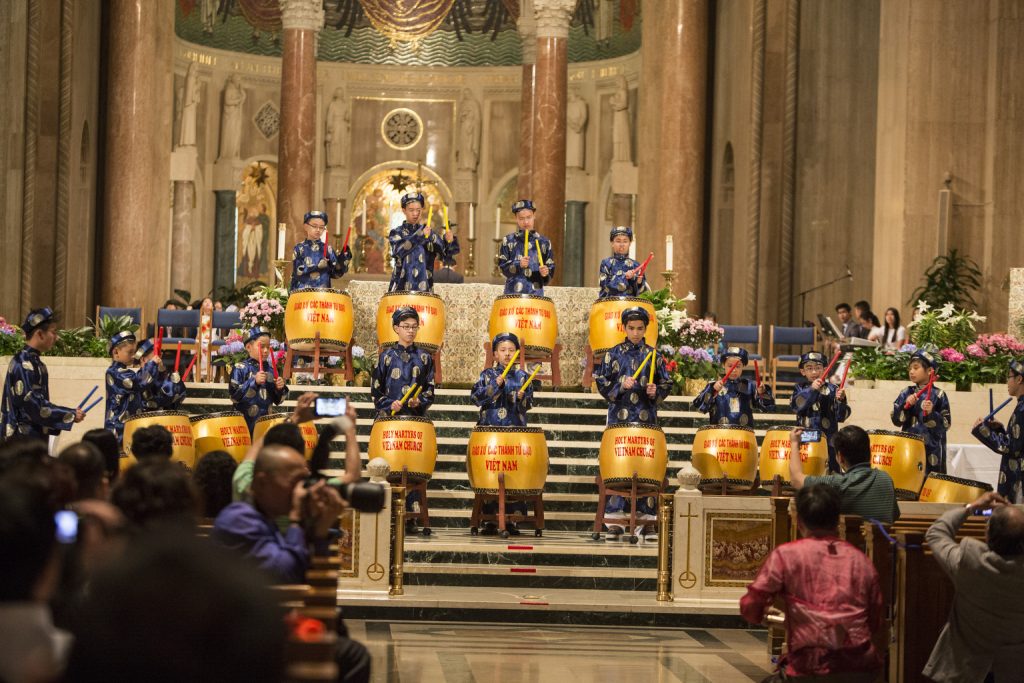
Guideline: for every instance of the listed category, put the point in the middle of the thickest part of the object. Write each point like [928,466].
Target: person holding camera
[864,490]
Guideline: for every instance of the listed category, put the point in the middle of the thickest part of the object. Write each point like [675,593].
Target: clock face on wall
[401,128]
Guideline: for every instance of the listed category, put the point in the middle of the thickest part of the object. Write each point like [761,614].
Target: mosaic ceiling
[463,32]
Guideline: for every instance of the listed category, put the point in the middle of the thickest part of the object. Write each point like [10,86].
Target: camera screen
[331,407]
[810,436]
[67,526]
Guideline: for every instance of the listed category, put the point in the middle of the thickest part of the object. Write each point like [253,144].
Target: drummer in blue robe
[526,274]
[731,401]
[927,417]
[620,274]
[252,388]
[818,403]
[1008,441]
[400,367]
[503,402]
[125,386]
[168,392]
[27,410]
[632,400]
[415,247]
[310,268]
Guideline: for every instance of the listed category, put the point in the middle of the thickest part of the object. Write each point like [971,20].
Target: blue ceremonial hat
[635,313]
[523,204]
[145,348]
[120,338]
[322,215]
[35,319]
[404,313]
[503,337]
[926,357]
[736,352]
[255,333]
[410,197]
[621,230]
[812,357]
[1017,367]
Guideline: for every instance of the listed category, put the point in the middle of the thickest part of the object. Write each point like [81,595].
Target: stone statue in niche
[621,144]
[576,121]
[467,154]
[338,124]
[231,119]
[189,107]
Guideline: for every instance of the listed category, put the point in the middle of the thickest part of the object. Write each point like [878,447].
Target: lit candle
[363,227]
[632,248]
[472,222]
[497,222]
[337,218]
[668,252]
[281,229]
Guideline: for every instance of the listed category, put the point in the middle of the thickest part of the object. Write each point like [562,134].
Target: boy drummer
[415,247]
[525,256]
[1008,441]
[252,388]
[168,392]
[818,403]
[620,275]
[924,412]
[732,400]
[312,265]
[124,385]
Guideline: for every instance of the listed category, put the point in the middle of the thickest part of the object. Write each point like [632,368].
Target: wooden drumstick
[88,396]
[996,410]
[405,397]
[534,374]
[757,374]
[177,357]
[919,393]
[159,345]
[510,364]
[644,363]
[845,371]
[347,236]
[273,363]
[540,259]
[189,368]
[828,370]
[643,266]
[728,371]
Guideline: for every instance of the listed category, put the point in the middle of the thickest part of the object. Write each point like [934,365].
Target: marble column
[138,135]
[301,20]
[224,239]
[527,26]
[548,169]
[572,258]
[181,234]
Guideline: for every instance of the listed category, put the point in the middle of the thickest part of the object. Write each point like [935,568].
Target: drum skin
[725,452]
[902,456]
[174,421]
[944,488]
[632,448]
[405,441]
[606,329]
[431,310]
[775,458]
[315,309]
[520,453]
[221,431]
[308,429]
[531,318]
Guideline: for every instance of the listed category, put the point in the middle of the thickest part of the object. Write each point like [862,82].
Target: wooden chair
[632,492]
[316,356]
[787,336]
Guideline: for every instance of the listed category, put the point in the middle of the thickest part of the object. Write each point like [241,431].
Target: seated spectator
[986,623]
[106,442]
[176,609]
[152,442]
[847,325]
[212,478]
[894,335]
[156,493]
[870,328]
[833,606]
[864,490]
[90,473]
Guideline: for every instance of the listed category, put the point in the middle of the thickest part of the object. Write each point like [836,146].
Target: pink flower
[951,355]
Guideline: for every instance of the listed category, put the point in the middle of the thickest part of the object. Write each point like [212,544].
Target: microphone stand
[815,288]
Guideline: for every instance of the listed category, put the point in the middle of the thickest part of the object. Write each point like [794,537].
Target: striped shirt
[864,491]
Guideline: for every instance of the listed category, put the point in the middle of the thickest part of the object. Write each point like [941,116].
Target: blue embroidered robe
[124,393]
[311,269]
[397,369]
[414,257]
[613,281]
[632,405]
[1008,442]
[735,404]
[932,427]
[528,281]
[252,400]
[500,406]
[167,393]
[27,409]
[820,410]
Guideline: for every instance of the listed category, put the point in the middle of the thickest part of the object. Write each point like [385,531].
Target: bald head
[272,458]
[276,472]
[1006,531]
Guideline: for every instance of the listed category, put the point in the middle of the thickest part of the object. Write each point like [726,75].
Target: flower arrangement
[266,309]
[687,344]
[362,364]
[11,338]
[232,351]
[944,327]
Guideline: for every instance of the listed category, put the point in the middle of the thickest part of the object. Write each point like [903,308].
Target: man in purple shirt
[278,489]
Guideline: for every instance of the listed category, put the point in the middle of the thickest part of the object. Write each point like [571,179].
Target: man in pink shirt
[833,601]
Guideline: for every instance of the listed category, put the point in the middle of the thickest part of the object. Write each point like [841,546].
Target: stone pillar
[301,19]
[572,259]
[181,234]
[548,171]
[622,210]
[137,176]
[527,25]
[224,239]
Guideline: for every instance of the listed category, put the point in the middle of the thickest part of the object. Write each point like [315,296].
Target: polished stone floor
[422,652]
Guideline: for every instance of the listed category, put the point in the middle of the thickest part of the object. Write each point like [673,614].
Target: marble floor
[422,652]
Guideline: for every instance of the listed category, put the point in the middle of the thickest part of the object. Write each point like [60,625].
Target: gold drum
[606,329]
[174,421]
[725,452]
[775,458]
[430,308]
[308,429]
[314,309]
[405,441]
[943,488]
[222,431]
[630,448]
[531,318]
[520,453]
[902,456]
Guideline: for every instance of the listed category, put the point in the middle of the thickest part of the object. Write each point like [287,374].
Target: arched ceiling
[473,33]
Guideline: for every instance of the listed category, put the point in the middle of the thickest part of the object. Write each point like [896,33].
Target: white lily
[690,296]
[947,310]
[977,318]
[922,306]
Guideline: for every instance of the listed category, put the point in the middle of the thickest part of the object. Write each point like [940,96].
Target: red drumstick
[347,235]
[325,246]
[931,383]
[728,371]
[828,370]
[757,373]
[189,368]
[643,266]
[926,387]
[177,357]
[273,363]
[259,351]
[159,345]
[845,371]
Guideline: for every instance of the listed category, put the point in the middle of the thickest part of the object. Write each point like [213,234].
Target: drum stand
[588,367]
[635,492]
[537,519]
[315,354]
[423,516]
[525,358]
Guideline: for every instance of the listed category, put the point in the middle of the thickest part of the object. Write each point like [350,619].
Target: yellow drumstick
[641,368]
[526,244]
[654,361]
[418,390]
[405,397]
[532,375]
[430,215]
[447,226]
[540,260]
[510,363]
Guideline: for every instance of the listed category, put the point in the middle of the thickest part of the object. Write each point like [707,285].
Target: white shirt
[32,648]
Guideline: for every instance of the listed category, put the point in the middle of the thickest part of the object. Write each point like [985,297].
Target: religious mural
[735,547]
[256,203]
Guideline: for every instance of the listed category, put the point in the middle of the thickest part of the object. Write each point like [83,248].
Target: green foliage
[944,328]
[111,325]
[12,340]
[78,342]
[238,297]
[951,278]
[871,363]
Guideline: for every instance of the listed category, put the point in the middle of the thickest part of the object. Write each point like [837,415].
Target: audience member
[847,325]
[212,478]
[863,489]
[106,442]
[870,327]
[152,442]
[833,603]
[156,493]
[986,623]
[90,473]
[893,334]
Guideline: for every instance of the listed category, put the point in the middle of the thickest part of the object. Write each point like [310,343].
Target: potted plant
[12,339]
[950,279]
[266,309]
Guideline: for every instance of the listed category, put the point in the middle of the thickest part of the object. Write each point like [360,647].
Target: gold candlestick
[670,277]
[470,269]
[497,253]
[388,265]
[364,242]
